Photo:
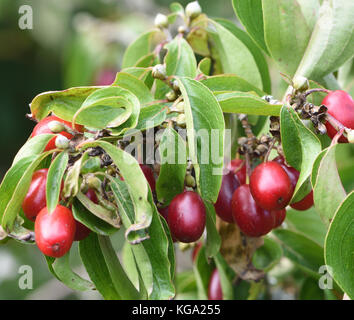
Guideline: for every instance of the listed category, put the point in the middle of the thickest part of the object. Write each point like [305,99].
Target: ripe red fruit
[253,220]
[35,199]
[164,212]
[81,230]
[214,288]
[186,217]
[149,175]
[270,186]
[223,204]
[340,105]
[305,203]
[42,127]
[279,217]
[55,232]
[239,168]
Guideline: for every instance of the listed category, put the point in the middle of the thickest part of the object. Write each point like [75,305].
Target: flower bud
[181,29]
[175,85]
[193,9]
[350,136]
[161,21]
[300,83]
[159,72]
[180,107]
[62,142]
[171,96]
[93,182]
[56,126]
[190,181]
[181,120]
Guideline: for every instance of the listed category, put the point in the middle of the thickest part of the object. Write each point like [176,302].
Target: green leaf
[301,147]
[33,147]
[234,55]
[226,275]
[205,131]
[93,260]
[63,104]
[254,49]
[286,33]
[134,85]
[94,223]
[54,180]
[202,271]
[141,47]
[180,59]
[151,116]
[339,250]
[250,14]
[230,83]
[173,159]
[332,40]
[204,66]
[213,240]
[109,107]
[310,290]
[327,182]
[20,176]
[301,250]
[62,269]
[268,255]
[248,103]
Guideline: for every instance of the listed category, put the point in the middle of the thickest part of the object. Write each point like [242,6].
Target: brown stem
[270,148]
[248,167]
[308,92]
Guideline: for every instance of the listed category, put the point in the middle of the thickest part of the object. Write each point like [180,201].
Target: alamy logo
[325,281]
[25,282]
[26,19]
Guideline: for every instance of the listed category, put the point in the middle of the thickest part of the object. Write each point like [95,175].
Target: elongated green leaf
[213,241]
[301,250]
[268,255]
[254,49]
[242,102]
[151,116]
[202,272]
[62,269]
[33,147]
[141,47]
[205,131]
[54,180]
[234,55]
[226,275]
[339,248]
[173,155]
[250,14]
[332,41]
[327,182]
[286,33]
[301,148]
[93,260]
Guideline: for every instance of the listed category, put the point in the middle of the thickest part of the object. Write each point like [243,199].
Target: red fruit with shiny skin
[164,212]
[42,127]
[270,186]
[239,168]
[223,204]
[304,204]
[253,220]
[340,105]
[214,288]
[55,232]
[149,175]
[279,217]
[81,230]
[35,199]
[186,217]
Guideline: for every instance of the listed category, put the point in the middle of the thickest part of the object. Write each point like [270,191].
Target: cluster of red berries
[55,231]
[258,207]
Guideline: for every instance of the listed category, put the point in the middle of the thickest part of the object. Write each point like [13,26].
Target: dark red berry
[253,220]
[239,168]
[340,105]
[42,127]
[186,217]
[270,186]
[214,288]
[223,204]
[304,204]
[279,217]
[164,212]
[149,175]
[55,232]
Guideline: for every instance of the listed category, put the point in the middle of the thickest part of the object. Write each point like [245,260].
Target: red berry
[223,203]
[55,232]
[196,250]
[42,127]
[81,230]
[149,175]
[271,186]
[340,105]
[214,288]
[279,217]
[305,203]
[253,220]
[35,199]
[239,168]
[164,212]
[186,217]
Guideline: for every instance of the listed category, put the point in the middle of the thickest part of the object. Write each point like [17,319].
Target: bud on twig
[301,83]
[171,96]
[190,181]
[193,9]
[159,72]
[56,126]
[93,182]
[161,21]
[62,142]
[350,135]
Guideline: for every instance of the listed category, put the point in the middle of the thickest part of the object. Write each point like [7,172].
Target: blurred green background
[71,43]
